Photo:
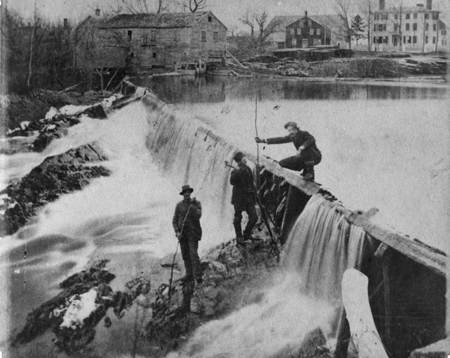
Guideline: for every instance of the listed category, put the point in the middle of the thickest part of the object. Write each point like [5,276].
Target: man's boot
[308,173]
[238,230]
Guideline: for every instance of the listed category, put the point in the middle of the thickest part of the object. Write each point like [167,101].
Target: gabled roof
[165,20]
[332,22]
[281,22]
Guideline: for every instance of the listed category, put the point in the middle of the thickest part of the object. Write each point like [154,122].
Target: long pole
[256,126]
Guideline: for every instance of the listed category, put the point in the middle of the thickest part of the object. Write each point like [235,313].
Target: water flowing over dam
[153,150]
[306,293]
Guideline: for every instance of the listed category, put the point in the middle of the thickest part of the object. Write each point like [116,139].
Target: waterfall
[320,247]
[189,153]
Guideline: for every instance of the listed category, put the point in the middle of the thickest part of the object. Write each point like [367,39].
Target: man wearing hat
[308,155]
[186,223]
[243,198]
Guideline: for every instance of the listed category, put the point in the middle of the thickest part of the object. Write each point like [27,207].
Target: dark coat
[302,138]
[243,187]
[188,224]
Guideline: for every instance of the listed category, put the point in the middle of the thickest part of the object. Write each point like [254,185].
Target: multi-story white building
[408,28]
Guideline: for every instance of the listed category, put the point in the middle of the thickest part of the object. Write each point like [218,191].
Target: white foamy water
[273,327]
[320,247]
[389,154]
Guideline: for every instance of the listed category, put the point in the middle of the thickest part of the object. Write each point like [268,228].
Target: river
[384,145]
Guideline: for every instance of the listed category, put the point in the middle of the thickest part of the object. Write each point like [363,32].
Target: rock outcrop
[231,274]
[75,312]
[55,176]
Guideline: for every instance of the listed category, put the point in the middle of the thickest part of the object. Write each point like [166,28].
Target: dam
[159,145]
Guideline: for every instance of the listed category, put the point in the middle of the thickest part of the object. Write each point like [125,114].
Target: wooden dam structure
[407,278]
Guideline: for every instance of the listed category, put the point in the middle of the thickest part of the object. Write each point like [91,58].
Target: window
[380,39]
[408,38]
[415,27]
[311,31]
[380,27]
[375,27]
[294,42]
[436,16]
[377,17]
[427,26]
[384,17]
[309,23]
[374,40]
[215,36]
[154,54]
[145,40]
[384,27]
[434,39]
[385,39]
[395,27]
[209,18]
[203,36]
[427,16]
[153,34]
[292,31]
[434,27]
[407,16]
[414,39]
[426,39]
[318,31]
[415,15]
[407,27]
[396,16]
[130,35]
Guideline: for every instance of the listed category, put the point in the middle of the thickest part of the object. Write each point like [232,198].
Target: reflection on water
[190,89]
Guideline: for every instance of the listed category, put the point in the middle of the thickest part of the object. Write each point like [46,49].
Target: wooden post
[343,337]
[384,253]
[387,300]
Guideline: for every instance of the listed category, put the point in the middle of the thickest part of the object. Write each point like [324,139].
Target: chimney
[66,24]
[429,4]
[306,13]
[97,12]
[382,4]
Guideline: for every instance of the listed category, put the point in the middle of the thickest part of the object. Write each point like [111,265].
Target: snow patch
[81,306]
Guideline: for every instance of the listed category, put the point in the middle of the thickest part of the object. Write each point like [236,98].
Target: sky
[228,11]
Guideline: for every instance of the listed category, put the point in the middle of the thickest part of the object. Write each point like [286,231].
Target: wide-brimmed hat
[238,156]
[185,188]
[290,124]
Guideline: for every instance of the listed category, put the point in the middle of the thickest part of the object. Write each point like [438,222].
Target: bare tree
[344,9]
[367,7]
[194,5]
[248,19]
[260,28]
[145,6]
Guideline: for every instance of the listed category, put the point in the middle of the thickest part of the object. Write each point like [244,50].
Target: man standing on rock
[186,223]
[308,155]
[243,198]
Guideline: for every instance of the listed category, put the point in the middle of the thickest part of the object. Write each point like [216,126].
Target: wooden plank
[362,326]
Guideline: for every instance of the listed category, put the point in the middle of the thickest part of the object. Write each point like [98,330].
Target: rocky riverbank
[55,176]
[74,313]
